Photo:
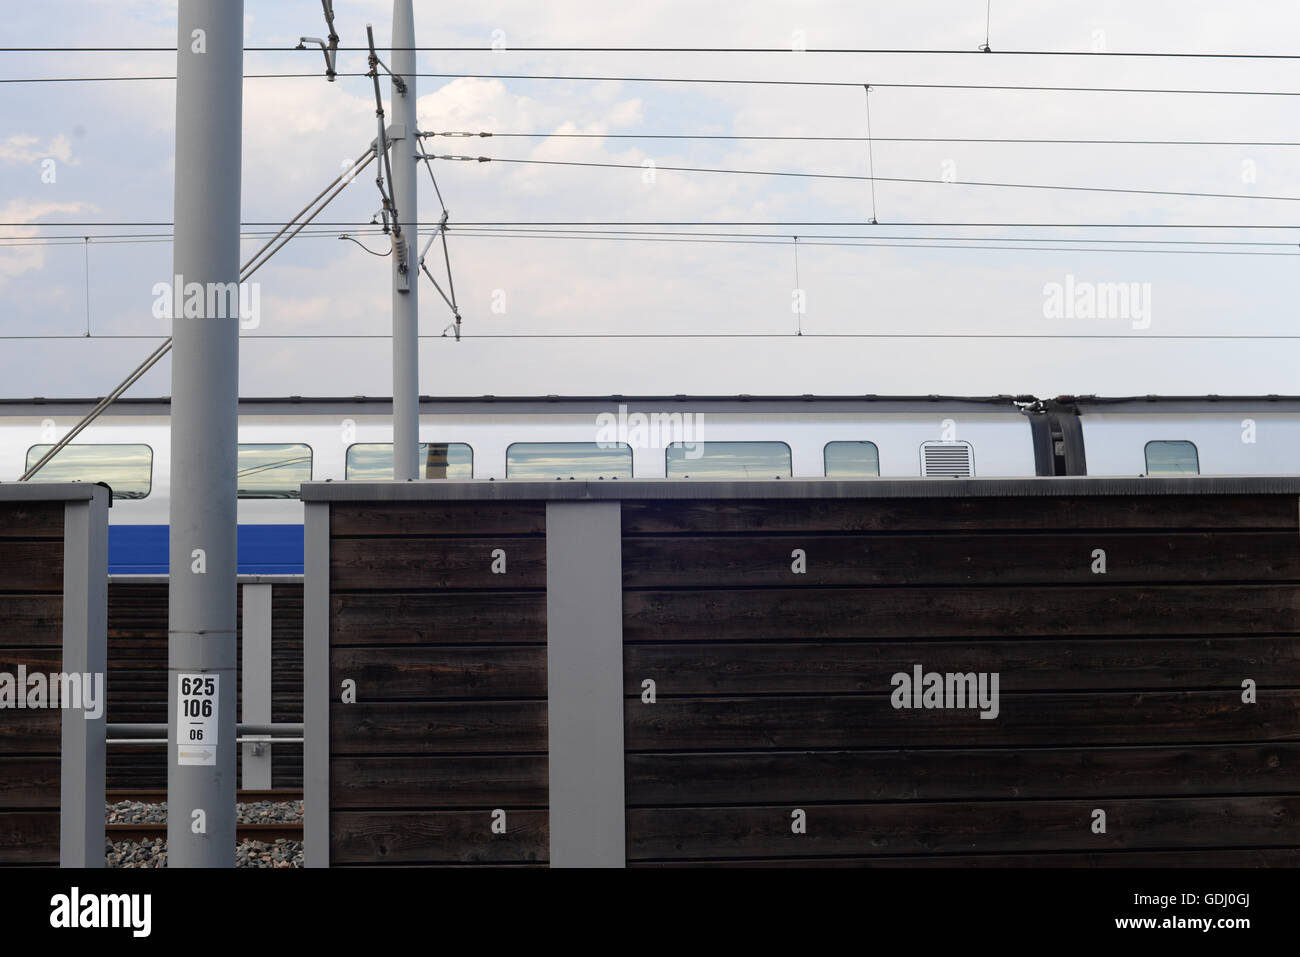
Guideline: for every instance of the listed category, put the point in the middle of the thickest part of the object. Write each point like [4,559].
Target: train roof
[1180,403]
[307,405]
[312,404]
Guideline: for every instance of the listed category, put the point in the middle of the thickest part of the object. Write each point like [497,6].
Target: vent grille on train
[952,459]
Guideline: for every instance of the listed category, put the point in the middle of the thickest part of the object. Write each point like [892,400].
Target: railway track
[159,795]
[267,833]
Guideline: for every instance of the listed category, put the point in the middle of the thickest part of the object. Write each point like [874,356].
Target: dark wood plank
[1182,512]
[437,727]
[137,678]
[31,566]
[766,560]
[945,774]
[414,671]
[1161,860]
[386,837]
[287,663]
[1039,664]
[418,781]
[29,620]
[29,837]
[29,729]
[812,613]
[1023,826]
[432,618]
[132,766]
[468,865]
[31,520]
[1050,720]
[29,782]
[437,518]
[358,564]
[40,659]
[32,731]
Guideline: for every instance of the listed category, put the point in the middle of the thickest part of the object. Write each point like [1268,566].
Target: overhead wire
[703,80]
[862,139]
[439,233]
[702,49]
[323,233]
[871,159]
[872,178]
[1130,336]
[247,270]
[897,224]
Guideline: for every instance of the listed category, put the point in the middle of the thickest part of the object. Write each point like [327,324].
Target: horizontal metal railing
[284,733]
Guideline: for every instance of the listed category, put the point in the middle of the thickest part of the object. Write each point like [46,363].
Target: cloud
[22,148]
[17,258]
[297,132]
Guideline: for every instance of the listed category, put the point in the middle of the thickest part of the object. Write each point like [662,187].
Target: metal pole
[204,422]
[85,652]
[256,666]
[406,342]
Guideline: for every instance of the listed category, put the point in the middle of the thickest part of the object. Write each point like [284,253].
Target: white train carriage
[287,441]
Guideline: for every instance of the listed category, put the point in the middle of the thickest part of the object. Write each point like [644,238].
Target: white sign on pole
[196,718]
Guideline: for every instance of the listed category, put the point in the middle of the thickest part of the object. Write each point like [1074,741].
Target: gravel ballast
[257,812]
[248,854]
[153,853]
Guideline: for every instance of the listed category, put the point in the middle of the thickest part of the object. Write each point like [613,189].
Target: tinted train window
[127,469]
[373,461]
[852,459]
[1172,458]
[580,460]
[273,470]
[728,460]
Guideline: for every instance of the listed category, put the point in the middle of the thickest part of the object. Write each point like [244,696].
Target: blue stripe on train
[262,550]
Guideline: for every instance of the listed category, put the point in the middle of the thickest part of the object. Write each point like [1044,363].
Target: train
[285,441]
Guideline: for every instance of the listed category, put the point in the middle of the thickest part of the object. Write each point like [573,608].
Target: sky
[888,308]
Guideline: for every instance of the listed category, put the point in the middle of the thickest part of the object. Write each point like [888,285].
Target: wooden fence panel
[31,579]
[782,639]
[437,619]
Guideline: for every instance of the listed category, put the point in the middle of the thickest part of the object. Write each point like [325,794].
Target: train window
[273,470]
[579,460]
[852,459]
[1172,458]
[373,461]
[728,460]
[126,469]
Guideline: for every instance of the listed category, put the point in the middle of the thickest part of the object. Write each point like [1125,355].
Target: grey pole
[255,703]
[406,341]
[204,422]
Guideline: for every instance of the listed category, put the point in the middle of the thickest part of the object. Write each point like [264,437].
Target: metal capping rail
[663,489]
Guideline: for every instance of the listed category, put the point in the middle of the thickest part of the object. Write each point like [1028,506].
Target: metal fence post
[315,685]
[584,676]
[85,652]
[256,672]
